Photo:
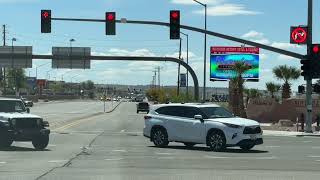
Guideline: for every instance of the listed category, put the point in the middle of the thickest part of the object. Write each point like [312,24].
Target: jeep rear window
[11,106]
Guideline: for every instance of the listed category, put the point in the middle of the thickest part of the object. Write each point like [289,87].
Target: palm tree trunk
[242,111]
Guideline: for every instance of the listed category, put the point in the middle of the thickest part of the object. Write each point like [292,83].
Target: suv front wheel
[40,142]
[160,137]
[216,141]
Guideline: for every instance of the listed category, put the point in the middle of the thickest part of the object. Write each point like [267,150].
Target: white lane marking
[318,160]
[119,150]
[266,158]
[307,141]
[164,153]
[52,145]
[216,157]
[165,157]
[314,156]
[315,147]
[123,130]
[3,162]
[57,161]
[115,159]
[272,146]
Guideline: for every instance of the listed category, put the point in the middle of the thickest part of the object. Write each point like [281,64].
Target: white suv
[200,124]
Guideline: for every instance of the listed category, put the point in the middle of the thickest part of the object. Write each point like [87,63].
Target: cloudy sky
[263,21]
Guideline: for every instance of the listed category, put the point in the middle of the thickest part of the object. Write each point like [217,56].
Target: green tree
[237,82]
[16,79]
[272,88]
[57,87]
[286,73]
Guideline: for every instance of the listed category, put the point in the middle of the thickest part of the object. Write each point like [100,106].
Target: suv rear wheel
[216,141]
[40,142]
[160,137]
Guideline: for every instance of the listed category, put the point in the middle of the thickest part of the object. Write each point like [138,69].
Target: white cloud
[282,45]
[284,57]
[263,56]
[191,2]
[227,10]
[183,55]
[253,35]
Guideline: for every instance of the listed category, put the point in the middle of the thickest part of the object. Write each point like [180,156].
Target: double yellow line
[74,123]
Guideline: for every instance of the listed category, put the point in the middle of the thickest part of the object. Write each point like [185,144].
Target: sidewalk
[290,133]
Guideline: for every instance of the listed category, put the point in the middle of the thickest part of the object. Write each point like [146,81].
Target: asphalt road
[111,146]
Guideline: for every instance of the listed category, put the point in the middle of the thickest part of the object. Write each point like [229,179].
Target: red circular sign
[299,35]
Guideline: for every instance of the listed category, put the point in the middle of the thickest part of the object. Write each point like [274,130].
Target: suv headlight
[232,125]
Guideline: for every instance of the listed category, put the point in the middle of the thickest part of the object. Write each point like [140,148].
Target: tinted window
[11,106]
[216,112]
[190,112]
[171,110]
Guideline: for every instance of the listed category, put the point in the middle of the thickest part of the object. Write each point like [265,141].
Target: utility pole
[308,79]
[159,77]
[4,69]
[178,85]
[155,78]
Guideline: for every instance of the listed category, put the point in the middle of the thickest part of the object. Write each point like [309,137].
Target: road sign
[71,57]
[16,56]
[31,82]
[299,35]
[183,80]
[223,59]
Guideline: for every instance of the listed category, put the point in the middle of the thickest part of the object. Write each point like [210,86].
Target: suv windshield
[11,106]
[216,112]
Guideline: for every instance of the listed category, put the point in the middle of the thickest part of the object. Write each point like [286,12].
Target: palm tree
[286,73]
[237,83]
[251,93]
[272,88]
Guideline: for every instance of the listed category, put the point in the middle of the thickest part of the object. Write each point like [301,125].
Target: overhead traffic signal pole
[308,78]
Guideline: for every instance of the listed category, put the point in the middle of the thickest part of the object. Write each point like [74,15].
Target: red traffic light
[175,14]
[45,14]
[110,17]
[315,49]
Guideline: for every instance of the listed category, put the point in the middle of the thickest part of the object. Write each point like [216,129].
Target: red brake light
[147,117]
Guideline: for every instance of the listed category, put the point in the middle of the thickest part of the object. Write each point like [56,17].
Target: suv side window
[171,110]
[190,112]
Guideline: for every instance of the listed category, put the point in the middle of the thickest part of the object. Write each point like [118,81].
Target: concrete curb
[288,133]
[114,108]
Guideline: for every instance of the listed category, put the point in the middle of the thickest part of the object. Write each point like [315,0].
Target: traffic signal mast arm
[223,36]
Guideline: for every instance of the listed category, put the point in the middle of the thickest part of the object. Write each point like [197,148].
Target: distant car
[143,107]
[193,124]
[27,103]
[17,124]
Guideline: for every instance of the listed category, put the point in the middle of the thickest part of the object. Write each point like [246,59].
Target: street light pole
[14,70]
[205,50]
[187,88]
[178,85]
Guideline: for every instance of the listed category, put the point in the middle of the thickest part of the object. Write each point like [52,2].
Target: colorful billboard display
[223,59]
